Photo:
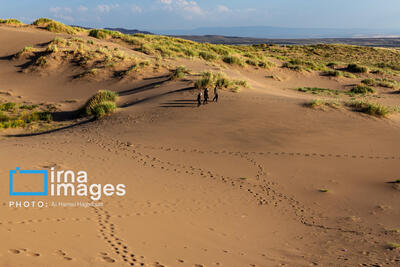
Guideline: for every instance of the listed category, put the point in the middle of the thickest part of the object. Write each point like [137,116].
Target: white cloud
[106,8]
[63,13]
[83,9]
[188,9]
[223,9]
[136,9]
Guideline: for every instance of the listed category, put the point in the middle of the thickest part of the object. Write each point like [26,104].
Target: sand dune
[254,180]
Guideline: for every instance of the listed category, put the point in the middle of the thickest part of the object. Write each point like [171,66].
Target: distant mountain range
[284,33]
[281,36]
[127,31]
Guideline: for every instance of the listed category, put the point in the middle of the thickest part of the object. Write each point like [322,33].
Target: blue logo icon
[19,171]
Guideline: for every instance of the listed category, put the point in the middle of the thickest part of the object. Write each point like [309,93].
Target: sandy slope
[186,204]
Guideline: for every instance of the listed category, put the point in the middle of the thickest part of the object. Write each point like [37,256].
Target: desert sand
[234,183]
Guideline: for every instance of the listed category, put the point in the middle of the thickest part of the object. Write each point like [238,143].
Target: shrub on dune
[233,60]
[361,89]
[103,108]
[179,73]
[10,21]
[373,109]
[104,34]
[102,103]
[208,56]
[355,68]
[58,27]
[42,22]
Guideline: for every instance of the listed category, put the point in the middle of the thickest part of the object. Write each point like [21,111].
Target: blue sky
[187,14]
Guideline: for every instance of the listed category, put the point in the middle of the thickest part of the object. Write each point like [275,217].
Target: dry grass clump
[55,26]
[101,104]
[179,73]
[317,91]
[26,51]
[210,80]
[373,109]
[14,22]
[388,83]
[322,104]
[338,74]
[104,34]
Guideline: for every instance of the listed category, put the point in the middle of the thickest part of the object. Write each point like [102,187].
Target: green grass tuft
[233,60]
[7,106]
[58,27]
[360,89]
[103,108]
[372,109]
[355,68]
[10,21]
[100,102]
[179,73]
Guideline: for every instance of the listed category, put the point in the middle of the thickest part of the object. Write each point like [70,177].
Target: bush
[355,68]
[373,109]
[233,60]
[101,97]
[10,21]
[382,83]
[58,27]
[208,56]
[7,106]
[42,22]
[219,80]
[360,89]
[179,73]
[103,108]
[104,34]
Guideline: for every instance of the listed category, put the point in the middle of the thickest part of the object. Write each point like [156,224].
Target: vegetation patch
[13,115]
[372,109]
[316,90]
[210,80]
[388,83]
[322,104]
[10,22]
[361,89]
[338,74]
[356,68]
[234,60]
[101,104]
[179,73]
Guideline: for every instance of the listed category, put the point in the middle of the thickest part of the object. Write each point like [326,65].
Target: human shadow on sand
[180,103]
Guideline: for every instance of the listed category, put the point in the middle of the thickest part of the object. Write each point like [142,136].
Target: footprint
[33,254]
[14,251]
[68,258]
[108,259]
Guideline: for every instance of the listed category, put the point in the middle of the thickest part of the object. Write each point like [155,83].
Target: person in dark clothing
[205,96]
[215,94]
[199,100]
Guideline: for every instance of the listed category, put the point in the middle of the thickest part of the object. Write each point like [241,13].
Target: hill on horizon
[284,33]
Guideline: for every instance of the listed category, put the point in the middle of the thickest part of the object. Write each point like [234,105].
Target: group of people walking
[206,96]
